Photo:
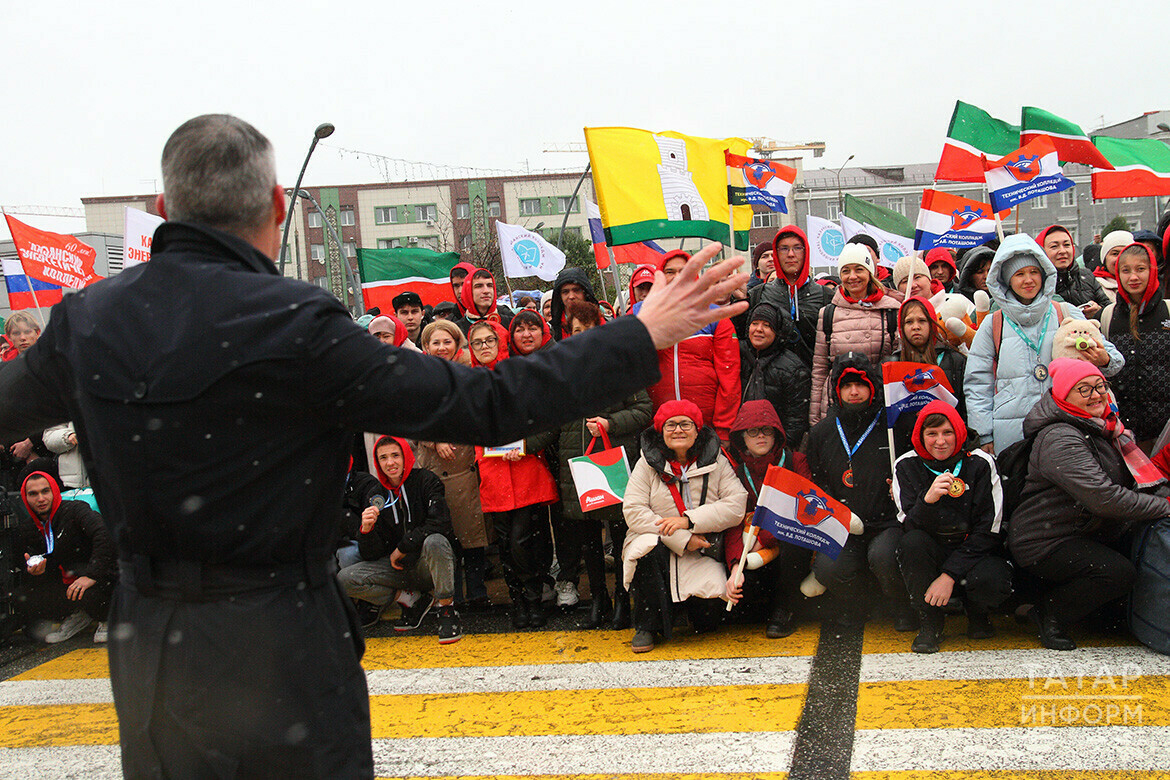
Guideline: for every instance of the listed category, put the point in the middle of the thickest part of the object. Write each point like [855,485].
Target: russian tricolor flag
[911,386]
[949,220]
[641,253]
[795,510]
[1028,172]
[21,288]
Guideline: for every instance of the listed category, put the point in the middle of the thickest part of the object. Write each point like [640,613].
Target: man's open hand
[675,310]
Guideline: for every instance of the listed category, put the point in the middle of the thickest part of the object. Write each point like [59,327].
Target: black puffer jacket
[1143,383]
[776,373]
[1077,485]
[865,490]
[1077,286]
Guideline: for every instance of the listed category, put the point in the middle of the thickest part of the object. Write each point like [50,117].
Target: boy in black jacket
[950,505]
[407,545]
[849,455]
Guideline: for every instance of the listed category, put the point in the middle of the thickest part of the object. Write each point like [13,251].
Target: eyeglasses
[481,343]
[794,249]
[1101,388]
[684,426]
[752,433]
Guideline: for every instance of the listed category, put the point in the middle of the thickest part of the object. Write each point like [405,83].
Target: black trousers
[1080,576]
[986,585]
[45,599]
[774,585]
[653,608]
[523,538]
[846,578]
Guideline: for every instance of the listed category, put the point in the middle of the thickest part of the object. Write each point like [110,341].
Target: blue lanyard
[954,473]
[1035,347]
[748,473]
[849,453]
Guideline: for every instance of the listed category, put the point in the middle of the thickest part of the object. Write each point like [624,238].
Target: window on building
[462,211]
[465,243]
[494,208]
[1040,203]
[1129,200]
[427,242]
[322,281]
[317,252]
[896,204]
[350,248]
[314,219]
[833,209]
[347,217]
[530,207]
[1068,199]
[386,215]
[425,213]
[389,243]
[764,220]
[568,205]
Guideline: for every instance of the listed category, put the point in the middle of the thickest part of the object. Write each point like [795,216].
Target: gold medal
[958,487]
[847,478]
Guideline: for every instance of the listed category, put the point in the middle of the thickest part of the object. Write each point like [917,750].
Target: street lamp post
[840,201]
[350,280]
[324,130]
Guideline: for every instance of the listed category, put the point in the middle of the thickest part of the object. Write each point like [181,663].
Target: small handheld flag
[795,510]
[1026,173]
[973,133]
[949,220]
[911,386]
[760,182]
[1070,141]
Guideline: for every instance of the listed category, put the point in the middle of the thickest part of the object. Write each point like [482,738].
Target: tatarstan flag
[1072,145]
[663,185]
[1141,166]
[973,133]
[387,272]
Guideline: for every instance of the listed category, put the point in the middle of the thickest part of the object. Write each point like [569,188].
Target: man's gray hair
[218,171]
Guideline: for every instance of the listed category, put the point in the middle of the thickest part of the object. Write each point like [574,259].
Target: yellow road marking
[546,647]
[87,664]
[746,708]
[1012,703]
[57,725]
[882,638]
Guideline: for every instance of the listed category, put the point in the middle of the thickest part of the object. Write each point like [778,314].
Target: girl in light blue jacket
[1001,389]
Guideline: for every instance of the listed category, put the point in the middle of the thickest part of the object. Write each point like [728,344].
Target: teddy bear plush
[1073,337]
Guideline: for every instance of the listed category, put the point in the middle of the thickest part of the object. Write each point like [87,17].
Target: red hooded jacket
[466,300]
[470,269]
[703,368]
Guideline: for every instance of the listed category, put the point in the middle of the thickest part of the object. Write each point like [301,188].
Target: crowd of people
[795,382]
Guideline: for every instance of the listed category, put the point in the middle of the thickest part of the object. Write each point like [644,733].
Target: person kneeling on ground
[682,489]
[1089,489]
[950,505]
[70,556]
[758,441]
[406,546]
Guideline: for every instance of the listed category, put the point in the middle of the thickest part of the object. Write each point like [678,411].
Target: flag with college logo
[759,182]
[386,273]
[52,257]
[1071,142]
[664,185]
[911,386]
[950,220]
[1141,167]
[525,253]
[1028,172]
[795,510]
[825,242]
[973,133]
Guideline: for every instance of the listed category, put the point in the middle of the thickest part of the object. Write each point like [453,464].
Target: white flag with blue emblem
[527,254]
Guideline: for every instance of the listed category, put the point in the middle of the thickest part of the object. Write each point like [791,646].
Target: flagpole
[616,272]
[999,224]
[28,279]
[601,279]
[730,248]
[751,533]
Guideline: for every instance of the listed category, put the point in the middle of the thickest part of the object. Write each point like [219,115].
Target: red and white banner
[52,257]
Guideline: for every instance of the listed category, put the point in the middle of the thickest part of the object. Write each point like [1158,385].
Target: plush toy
[811,587]
[1073,337]
[958,328]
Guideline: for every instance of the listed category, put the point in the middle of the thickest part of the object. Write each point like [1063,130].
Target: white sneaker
[567,594]
[102,635]
[70,627]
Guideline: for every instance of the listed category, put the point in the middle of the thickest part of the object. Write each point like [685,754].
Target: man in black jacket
[70,558]
[215,403]
[407,545]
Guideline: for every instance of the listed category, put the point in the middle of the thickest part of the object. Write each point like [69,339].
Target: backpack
[891,316]
[997,337]
[1149,620]
[1012,465]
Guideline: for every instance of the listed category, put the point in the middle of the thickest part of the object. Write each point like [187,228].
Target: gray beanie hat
[1019,260]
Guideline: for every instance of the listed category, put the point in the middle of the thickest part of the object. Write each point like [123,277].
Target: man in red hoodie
[793,290]
[478,301]
[406,546]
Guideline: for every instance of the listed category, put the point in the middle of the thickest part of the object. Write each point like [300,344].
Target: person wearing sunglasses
[1089,488]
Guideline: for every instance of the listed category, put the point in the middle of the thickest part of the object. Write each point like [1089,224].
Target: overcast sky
[92,90]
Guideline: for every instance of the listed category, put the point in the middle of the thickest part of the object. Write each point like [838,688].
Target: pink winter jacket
[856,328]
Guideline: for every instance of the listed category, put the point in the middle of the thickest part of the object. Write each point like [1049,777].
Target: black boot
[780,624]
[600,610]
[905,618]
[621,610]
[931,632]
[537,618]
[979,624]
[519,612]
[1052,634]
